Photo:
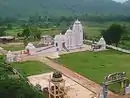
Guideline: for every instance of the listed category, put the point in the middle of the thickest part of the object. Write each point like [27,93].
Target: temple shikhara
[72,39]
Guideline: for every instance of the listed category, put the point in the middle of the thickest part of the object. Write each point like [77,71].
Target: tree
[9,26]
[15,88]
[2,31]
[35,33]
[25,41]
[31,33]
[26,32]
[113,34]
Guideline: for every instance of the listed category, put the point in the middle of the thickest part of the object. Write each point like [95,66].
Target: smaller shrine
[127,89]
[30,48]
[102,43]
[99,46]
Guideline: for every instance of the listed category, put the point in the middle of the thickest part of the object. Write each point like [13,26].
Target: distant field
[13,47]
[125,44]
[92,29]
[96,66]
[31,68]
[50,31]
[13,32]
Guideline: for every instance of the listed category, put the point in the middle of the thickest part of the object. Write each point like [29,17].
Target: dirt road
[86,83]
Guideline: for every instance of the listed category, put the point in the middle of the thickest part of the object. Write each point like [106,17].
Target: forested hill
[127,2]
[60,7]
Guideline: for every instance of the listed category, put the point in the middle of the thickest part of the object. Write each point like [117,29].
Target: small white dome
[30,46]
[9,52]
[68,32]
[77,22]
[102,41]
[59,38]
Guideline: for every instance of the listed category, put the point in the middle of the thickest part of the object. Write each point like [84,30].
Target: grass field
[125,44]
[96,66]
[31,68]
[14,31]
[50,31]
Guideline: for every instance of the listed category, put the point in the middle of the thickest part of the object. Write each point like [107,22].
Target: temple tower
[69,38]
[77,31]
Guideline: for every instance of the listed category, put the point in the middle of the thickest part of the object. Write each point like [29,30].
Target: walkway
[86,83]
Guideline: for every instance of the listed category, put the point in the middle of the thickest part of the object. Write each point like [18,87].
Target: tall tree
[113,34]
[9,26]
[26,32]
[2,31]
[15,88]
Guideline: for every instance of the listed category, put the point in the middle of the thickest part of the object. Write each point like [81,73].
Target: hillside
[60,7]
[127,2]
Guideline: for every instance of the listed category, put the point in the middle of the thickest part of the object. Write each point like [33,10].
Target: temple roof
[77,22]
[30,46]
[59,37]
[69,31]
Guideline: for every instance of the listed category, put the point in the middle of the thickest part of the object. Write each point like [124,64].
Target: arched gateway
[114,78]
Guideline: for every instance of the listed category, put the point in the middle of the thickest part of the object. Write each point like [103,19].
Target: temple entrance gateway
[114,78]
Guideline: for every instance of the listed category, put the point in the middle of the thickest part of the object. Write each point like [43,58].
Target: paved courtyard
[74,90]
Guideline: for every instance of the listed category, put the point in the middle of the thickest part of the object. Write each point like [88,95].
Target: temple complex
[72,39]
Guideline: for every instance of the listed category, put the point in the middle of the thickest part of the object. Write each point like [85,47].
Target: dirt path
[90,85]
[86,83]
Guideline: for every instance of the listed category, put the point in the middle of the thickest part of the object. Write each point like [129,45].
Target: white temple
[72,39]
[102,43]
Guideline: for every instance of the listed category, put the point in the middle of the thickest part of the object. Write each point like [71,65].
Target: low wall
[113,47]
[47,49]
[118,49]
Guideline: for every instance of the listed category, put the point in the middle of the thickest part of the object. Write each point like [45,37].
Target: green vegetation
[23,8]
[31,68]
[125,44]
[113,34]
[13,31]
[15,87]
[96,66]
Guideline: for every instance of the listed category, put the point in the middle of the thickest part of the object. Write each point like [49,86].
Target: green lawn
[14,31]
[96,66]
[31,68]
[93,31]
[44,31]
[125,44]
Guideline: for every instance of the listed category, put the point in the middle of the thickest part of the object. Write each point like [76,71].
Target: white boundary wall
[113,47]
